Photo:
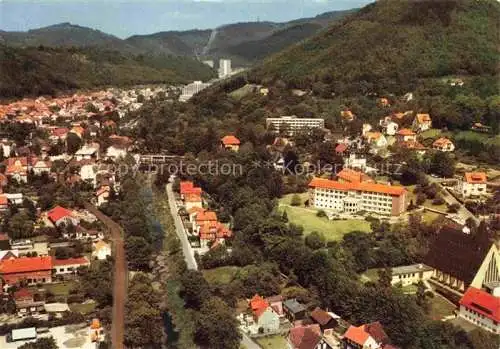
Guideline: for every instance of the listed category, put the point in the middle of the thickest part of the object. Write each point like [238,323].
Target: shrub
[421,198]
[453,208]
[296,200]
[438,200]
[321,213]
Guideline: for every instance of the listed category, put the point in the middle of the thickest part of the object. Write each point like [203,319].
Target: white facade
[224,68]
[69,268]
[115,152]
[292,124]
[191,89]
[102,250]
[479,320]
[391,129]
[88,172]
[471,189]
[411,274]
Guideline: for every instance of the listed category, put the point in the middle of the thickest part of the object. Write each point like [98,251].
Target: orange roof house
[482,302]
[443,144]
[230,142]
[357,186]
[35,269]
[369,335]
[475,177]
[352,176]
[187,187]
[422,122]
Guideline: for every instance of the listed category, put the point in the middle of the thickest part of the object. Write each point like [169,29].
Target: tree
[194,289]
[422,300]
[20,226]
[216,326]
[315,240]
[138,252]
[73,143]
[296,200]
[442,164]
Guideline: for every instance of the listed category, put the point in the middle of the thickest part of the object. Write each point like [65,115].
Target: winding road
[120,277]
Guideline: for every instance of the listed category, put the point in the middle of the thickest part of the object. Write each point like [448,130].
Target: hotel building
[357,196]
[292,124]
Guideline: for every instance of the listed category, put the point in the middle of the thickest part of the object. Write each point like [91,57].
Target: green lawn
[221,275]
[432,133]
[273,342]
[287,199]
[82,308]
[440,308]
[60,289]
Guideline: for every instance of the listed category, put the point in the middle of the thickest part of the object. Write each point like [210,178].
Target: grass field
[82,308]
[306,217]
[432,133]
[60,289]
[221,275]
[273,342]
[440,308]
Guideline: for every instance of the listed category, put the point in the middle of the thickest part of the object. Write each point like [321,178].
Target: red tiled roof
[342,147]
[406,132]
[412,145]
[4,237]
[258,305]
[192,197]
[357,335]
[440,142]
[3,200]
[305,337]
[475,177]
[371,187]
[350,175]
[321,316]
[187,187]
[423,118]
[26,264]
[58,212]
[230,140]
[482,302]
[206,216]
[70,261]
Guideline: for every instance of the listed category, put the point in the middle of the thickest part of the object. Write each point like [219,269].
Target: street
[179,228]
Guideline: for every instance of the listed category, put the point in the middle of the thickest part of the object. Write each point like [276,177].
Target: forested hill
[391,44]
[36,71]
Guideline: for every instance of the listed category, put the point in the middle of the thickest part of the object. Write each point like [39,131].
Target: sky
[124,18]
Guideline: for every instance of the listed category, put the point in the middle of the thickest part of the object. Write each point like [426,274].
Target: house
[384,102]
[481,306]
[187,187]
[365,129]
[411,274]
[4,203]
[473,184]
[101,250]
[213,232]
[376,139]
[341,148]
[294,310]
[443,144]
[461,259]
[68,266]
[96,331]
[193,200]
[58,133]
[306,337]
[479,127]
[353,197]
[230,143]
[26,304]
[390,128]
[41,166]
[17,168]
[88,172]
[368,336]
[422,122]
[266,319]
[276,302]
[89,151]
[406,135]
[348,175]
[77,130]
[323,319]
[102,195]
[32,270]
[356,162]
[60,215]
[413,146]
[347,115]
[116,151]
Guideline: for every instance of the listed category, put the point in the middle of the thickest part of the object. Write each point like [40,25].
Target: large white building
[224,68]
[357,196]
[482,307]
[292,124]
[472,184]
[191,89]
[411,274]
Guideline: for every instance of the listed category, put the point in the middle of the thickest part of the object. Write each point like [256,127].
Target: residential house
[89,151]
[7,146]
[32,270]
[341,149]
[41,166]
[60,215]
[473,184]
[17,168]
[102,195]
[276,302]
[355,162]
[384,102]
[443,144]
[68,266]
[406,135]
[479,127]
[413,146]
[461,259]
[77,130]
[324,319]
[116,151]
[481,306]
[187,187]
[368,336]
[422,122]
[294,310]
[230,143]
[347,115]
[26,304]
[376,139]
[96,331]
[306,337]
[365,129]
[265,318]
[25,247]
[411,274]
[101,250]
[88,172]
[354,197]
[192,200]
[4,203]
[58,133]
[391,128]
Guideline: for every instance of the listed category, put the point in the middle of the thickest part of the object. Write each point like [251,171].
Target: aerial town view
[233,174]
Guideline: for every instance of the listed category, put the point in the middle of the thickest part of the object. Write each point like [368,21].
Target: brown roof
[456,253]
[377,332]
[321,316]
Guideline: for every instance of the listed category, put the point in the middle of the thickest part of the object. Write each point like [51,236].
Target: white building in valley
[224,68]
[191,89]
[355,197]
[292,124]
[472,184]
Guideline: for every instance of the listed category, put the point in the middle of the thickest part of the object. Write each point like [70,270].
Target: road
[120,277]
[179,228]
[248,343]
[463,212]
